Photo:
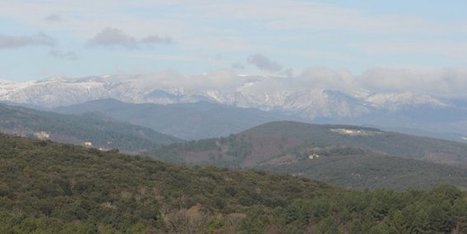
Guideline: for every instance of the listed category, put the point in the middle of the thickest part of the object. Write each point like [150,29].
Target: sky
[396,42]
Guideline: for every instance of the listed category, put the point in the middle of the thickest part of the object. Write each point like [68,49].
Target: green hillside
[370,159]
[101,131]
[47,187]
[357,168]
[391,143]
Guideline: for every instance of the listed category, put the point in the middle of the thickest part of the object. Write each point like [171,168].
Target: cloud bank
[447,82]
[444,83]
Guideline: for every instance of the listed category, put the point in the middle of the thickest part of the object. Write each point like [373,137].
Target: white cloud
[325,78]
[281,14]
[436,82]
[446,82]
[313,15]
[264,25]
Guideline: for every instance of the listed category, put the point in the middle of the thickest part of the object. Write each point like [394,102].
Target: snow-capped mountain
[264,93]
[297,97]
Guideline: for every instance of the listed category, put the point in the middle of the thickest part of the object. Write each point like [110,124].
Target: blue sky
[40,39]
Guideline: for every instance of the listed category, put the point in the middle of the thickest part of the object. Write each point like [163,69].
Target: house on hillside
[313,156]
[42,135]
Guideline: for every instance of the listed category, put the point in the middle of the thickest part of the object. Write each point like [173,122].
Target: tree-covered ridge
[370,159]
[54,188]
[353,168]
[101,131]
[390,143]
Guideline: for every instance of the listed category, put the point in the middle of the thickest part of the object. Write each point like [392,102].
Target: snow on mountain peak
[263,92]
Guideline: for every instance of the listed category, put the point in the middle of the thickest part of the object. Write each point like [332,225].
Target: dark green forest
[47,187]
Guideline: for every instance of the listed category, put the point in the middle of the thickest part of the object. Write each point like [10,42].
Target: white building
[42,135]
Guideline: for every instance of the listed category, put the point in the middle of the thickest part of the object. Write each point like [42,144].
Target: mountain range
[415,113]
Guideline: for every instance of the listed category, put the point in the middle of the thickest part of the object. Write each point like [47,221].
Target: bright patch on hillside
[355,132]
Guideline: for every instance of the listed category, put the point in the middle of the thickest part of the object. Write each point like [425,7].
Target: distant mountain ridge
[393,110]
[312,102]
[185,120]
[98,130]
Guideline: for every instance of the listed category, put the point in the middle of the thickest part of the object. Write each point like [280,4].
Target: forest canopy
[47,187]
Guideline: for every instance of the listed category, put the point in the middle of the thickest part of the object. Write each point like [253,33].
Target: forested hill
[390,143]
[349,156]
[101,131]
[47,187]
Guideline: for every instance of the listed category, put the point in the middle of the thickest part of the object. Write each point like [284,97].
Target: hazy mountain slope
[55,188]
[395,110]
[446,122]
[188,121]
[101,131]
[348,155]
[450,136]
